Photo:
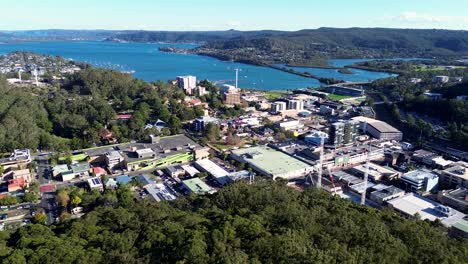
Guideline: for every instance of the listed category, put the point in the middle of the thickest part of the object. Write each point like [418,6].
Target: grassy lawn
[222,145]
[434,68]
[337,97]
[272,95]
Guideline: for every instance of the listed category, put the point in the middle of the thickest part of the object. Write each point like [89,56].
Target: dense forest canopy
[78,112]
[262,223]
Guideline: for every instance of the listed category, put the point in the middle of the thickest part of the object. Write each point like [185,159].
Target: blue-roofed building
[420,180]
[144,179]
[123,179]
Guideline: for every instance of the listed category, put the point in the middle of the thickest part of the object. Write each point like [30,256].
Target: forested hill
[262,223]
[310,47]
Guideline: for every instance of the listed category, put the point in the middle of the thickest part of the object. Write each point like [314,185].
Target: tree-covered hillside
[262,223]
[307,46]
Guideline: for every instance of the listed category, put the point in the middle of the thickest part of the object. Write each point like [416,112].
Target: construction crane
[320,167]
[366,175]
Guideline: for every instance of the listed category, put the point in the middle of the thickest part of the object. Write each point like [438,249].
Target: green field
[272,95]
[434,68]
[78,157]
[337,97]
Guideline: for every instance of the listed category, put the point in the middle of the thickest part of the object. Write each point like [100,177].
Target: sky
[239,14]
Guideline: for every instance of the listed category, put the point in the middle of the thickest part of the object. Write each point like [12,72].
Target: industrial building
[378,129]
[420,180]
[272,163]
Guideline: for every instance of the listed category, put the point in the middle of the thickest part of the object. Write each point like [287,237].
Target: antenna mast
[237,77]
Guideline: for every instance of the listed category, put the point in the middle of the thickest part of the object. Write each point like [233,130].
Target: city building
[420,180]
[296,105]
[200,91]
[174,171]
[212,168]
[272,163]
[160,192]
[232,98]
[457,198]
[190,170]
[455,176]
[114,160]
[96,184]
[327,110]
[233,177]
[278,107]
[343,133]
[18,159]
[347,156]
[291,125]
[383,193]
[187,83]
[376,173]
[316,138]
[227,89]
[200,123]
[197,186]
[145,153]
[378,129]
[412,204]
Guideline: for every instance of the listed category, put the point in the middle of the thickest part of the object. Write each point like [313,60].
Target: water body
[150,64]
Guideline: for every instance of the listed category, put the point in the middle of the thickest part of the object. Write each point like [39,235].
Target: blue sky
[240,14]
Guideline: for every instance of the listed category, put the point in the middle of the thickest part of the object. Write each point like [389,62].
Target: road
[49,204]
[42,166]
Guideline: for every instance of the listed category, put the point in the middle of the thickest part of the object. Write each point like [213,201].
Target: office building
[277,107]
[343,133]
[420,180]
[383,193]
[187,83]
[455,176]
[316,138]
[296,105]
[114,160]
[376,173]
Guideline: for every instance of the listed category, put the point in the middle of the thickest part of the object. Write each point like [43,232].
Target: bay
[150,64]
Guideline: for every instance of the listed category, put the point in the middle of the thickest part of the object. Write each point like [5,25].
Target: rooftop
[462,225]
[412,204]
[212,168]
[197,186]
[270,160]
[160,192]
[419,175]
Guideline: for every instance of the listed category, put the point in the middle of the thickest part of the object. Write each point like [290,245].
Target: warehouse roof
[270,160]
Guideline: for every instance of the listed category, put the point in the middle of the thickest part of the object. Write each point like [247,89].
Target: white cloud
[429,18]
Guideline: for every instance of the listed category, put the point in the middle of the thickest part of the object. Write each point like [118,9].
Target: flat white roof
[212,168]
[190,169]
[144,151]
[411,204]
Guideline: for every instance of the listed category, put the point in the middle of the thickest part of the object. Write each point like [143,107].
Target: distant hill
[60,34]
[306,45]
